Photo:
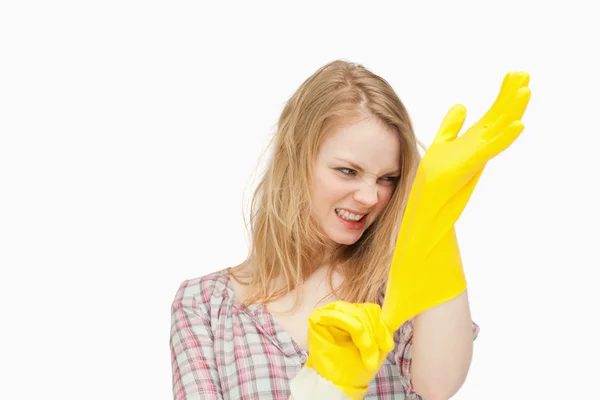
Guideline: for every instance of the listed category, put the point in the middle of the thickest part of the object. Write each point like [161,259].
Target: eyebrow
[361,169]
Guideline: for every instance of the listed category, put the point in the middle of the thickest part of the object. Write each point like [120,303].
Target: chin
[346,242]
[346,239]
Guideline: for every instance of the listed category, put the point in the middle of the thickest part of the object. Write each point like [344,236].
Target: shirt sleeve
[403,356]
[192,352]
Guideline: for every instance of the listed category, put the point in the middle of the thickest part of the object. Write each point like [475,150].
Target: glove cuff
[309,385]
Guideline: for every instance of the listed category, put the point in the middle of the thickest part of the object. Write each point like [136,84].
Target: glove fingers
[512,82]
[349,323]
[502,141]
[336,322]
[380,340]
[329,319]
[489,141]
[451,124]
[514,112]
[384,338]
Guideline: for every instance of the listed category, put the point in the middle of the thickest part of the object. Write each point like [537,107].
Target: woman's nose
[367,193]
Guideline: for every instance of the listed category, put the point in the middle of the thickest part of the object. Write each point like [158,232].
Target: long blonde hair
[285,240]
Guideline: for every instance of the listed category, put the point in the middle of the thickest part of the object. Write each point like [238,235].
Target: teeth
[347,215]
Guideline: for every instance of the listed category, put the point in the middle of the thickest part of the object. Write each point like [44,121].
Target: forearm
[442,348]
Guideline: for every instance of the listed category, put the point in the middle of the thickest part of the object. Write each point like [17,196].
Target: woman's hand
[348,343]
[452,165]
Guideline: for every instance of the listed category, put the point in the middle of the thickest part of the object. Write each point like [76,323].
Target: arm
[442,349]
[192,353]
[405,338]
[426,279]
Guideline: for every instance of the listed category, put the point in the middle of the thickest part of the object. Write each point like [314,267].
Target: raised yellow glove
[426,268]
[348,343]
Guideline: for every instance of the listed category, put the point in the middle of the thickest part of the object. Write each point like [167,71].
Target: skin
[357,168]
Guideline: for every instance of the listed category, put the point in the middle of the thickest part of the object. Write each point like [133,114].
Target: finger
[337,319]
[512,82]
[524,77]
[383,336]
[378,334]
[363,322]
[514,112]
[339,315]
[451,124]
[501,142]
[327,334]
[524,96]
[479,135]
[382,343]
[510,86]
[356,326]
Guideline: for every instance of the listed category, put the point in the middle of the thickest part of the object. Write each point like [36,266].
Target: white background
[129,132]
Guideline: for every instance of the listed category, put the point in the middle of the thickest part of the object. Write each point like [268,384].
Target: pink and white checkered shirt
[223,350]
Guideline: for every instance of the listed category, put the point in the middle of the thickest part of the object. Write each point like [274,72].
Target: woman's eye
[347,171]
[391,179]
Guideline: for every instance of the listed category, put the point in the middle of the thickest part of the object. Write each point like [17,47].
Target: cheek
[385,195]
[328,191]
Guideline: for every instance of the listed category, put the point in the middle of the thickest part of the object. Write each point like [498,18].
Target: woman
[324,221]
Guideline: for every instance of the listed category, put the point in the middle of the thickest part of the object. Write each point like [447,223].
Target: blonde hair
[285,240]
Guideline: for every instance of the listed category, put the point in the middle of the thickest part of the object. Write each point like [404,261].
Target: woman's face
[356,171]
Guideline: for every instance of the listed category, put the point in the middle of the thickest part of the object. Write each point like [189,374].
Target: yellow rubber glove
[347,344]
[426,268]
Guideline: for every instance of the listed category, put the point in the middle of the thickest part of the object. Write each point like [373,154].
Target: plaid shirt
[223,350]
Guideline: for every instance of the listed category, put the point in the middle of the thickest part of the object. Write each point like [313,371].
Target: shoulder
[202,291]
